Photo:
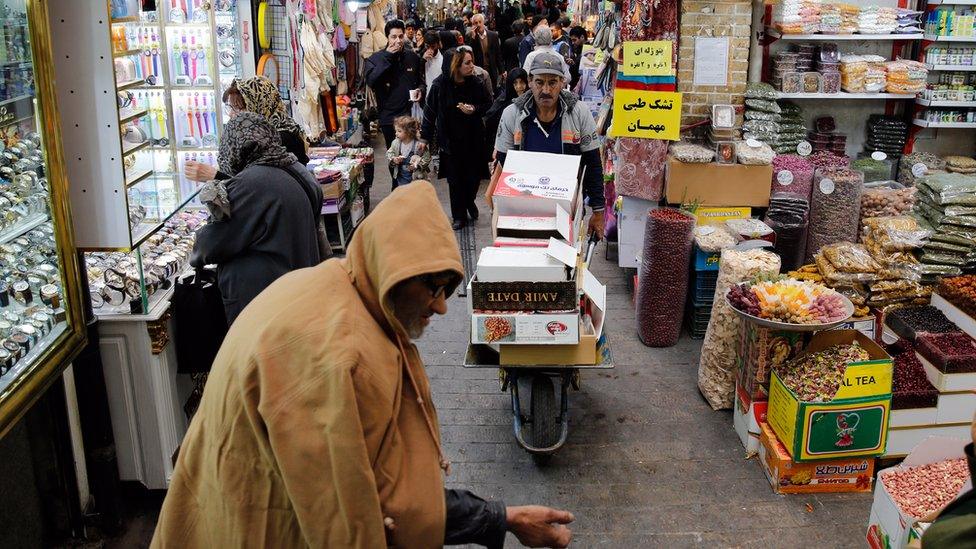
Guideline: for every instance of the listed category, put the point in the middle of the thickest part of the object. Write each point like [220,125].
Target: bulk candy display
[816,377]
[664,276]
[909,322]
[789,301]
[716,369]
[951,352]
[910,388]
[961,292]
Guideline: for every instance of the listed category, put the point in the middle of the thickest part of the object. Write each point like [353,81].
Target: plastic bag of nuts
[887,198]
[664,276]
[716,370]
[835,208]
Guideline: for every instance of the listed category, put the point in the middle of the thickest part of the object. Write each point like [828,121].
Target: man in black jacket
[394,74]
[486,48]
[510,47]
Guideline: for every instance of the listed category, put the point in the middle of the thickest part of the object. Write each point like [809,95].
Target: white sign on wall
[711,61]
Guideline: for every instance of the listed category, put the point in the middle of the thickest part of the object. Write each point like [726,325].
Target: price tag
[804,148]
[705,231]
[754,143]
[878,155]
[785,178]
[919,169]
[827,186]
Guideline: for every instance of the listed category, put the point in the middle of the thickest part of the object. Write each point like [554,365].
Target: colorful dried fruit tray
[797,298]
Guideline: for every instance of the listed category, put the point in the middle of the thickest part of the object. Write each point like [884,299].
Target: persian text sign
[648,58]
[648,114]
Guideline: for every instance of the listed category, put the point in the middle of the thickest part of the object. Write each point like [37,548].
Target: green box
[854,423]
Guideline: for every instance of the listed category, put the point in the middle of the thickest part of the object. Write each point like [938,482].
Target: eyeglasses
[436,289]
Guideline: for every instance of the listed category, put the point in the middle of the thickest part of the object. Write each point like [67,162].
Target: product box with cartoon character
[789,477]
[759,351]
[854,423]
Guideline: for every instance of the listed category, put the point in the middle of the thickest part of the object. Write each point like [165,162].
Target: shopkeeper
[552,120]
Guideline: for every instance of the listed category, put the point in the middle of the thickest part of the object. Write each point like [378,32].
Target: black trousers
[389,134]
[463,178]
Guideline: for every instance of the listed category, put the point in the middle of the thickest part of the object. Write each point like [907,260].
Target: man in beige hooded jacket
[317,426]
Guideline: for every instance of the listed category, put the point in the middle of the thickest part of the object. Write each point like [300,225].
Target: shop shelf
[840,37]
[952,3]
[128,115]
[845,95]
[24,226]
[927,124]
[937,38]
[14,99]
[121,86]
[142,231]
[129,19]
[126,53]
[129,148]
[931,103]
[948,68]
[137,178]
[16,63]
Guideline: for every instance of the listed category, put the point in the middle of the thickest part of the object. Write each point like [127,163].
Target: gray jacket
[272,230]
[578,132]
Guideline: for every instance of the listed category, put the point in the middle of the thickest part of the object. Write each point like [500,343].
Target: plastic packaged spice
[716,370]
[713,239]
[764,105]
[884,198]
[873,170]
[760,90]
[850,258]
[753,153]
[835,208]
[951,352]
[683,151]
[831,82]
[792,82]
[664,276]
[827,159]
[918,164]
[811,82]
[792,173]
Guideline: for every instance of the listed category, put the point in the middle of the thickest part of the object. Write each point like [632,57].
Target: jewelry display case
[41,320]
[171,61]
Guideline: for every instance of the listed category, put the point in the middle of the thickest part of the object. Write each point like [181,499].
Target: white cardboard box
[746,424]
[956,407]
[519,264]
[631,221]
[901,441]
[866,326]
[947,383]
[913,417]
[535,183]
[965,322]
[887,521]
[536,230]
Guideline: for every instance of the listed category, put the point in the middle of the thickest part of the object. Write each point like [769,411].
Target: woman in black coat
[456,102]
[264,218]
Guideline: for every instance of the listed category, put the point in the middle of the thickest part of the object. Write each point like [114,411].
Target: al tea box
[854,423]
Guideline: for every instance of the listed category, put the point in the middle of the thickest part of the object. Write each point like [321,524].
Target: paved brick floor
[647,463]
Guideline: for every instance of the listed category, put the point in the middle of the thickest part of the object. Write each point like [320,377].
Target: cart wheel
[503,379]
[545,423]
[575,380]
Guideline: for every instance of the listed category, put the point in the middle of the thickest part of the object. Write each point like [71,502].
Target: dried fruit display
[816,377]
[798,177]
[835,208]
[790,301]
[910,388]
[887,198]
[716,370]
[664,276]
[909,322]
[923,490]
[951,353]
[961,292]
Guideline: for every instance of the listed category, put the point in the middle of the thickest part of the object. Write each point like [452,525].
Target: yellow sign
[648,114]
[648,58]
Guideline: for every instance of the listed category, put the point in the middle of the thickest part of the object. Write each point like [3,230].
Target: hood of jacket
[526,101]
[405,236]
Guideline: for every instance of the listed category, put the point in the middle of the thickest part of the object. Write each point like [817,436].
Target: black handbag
[199,321]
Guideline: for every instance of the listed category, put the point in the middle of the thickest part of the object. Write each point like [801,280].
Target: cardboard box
[523,230]
[519,264]
[866,326]
[631,224]
[956,407]
[526,328]
[718,216]
[746,420]
[759,350]
[787,476]
[718,184]
[889,526]
[332,190]
[524,296]
[903,439]
[947,383]
[854,423]
[533,184]
[911,417]
[586,351]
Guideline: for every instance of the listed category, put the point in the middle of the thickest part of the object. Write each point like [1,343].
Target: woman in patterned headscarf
[265,217]
[257,95]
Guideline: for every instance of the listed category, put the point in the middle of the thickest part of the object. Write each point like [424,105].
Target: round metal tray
[776,325]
